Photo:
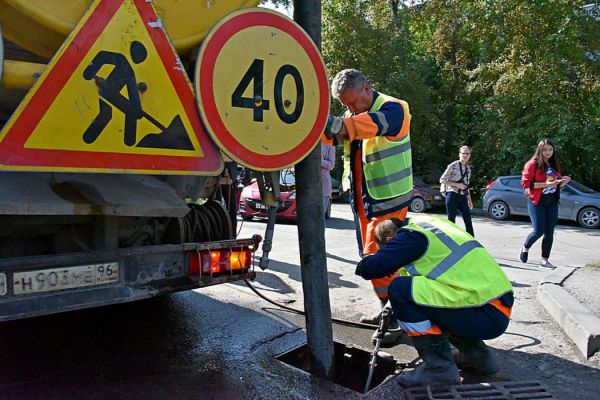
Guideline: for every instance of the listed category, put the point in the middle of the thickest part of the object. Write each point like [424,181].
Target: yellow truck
[113,185]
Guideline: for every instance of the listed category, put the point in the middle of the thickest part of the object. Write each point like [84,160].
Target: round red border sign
[263,119]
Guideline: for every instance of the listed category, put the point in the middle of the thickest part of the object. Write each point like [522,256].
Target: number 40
[258,104]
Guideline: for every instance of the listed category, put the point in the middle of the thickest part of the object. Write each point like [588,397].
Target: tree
[517,72]
[374,36]
[498,75]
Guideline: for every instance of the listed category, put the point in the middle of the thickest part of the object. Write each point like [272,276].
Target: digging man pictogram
[122,76]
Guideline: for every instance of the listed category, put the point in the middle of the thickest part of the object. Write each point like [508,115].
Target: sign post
[311,231]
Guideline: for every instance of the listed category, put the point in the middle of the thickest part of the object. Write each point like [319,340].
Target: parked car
[424,196]
[504,196]
[251,205]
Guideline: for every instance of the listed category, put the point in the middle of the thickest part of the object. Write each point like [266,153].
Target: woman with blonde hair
[457,178]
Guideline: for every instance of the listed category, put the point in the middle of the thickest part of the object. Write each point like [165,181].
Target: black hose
[296,311]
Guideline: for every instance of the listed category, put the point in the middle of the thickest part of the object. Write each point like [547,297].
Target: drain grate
[528,390]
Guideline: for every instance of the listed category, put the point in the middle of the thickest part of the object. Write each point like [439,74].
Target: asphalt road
[220,342]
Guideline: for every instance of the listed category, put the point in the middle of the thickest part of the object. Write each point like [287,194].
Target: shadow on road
[345,260]
[293,272]
[340,224]
[191,346]
[532,268]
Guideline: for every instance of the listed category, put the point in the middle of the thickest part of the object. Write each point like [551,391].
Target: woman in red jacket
[542,178]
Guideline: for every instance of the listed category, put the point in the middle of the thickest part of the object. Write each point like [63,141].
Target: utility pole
[311,229]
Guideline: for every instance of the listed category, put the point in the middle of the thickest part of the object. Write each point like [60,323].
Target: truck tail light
[234,259]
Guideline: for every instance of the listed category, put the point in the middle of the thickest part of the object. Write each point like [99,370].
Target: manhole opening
[351,365]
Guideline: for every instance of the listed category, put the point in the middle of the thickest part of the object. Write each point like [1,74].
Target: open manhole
[351,365]
[351,370]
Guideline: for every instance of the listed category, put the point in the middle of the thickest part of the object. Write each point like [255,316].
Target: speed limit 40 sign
[262,89]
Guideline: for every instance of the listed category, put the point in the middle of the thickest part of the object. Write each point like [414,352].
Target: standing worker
[457,178]
[456,293]
[377,127]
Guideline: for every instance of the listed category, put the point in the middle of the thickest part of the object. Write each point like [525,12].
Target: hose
[338,321]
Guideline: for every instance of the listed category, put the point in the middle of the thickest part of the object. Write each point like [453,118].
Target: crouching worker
[455,293]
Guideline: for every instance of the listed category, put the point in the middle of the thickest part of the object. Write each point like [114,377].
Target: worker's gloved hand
[333,126]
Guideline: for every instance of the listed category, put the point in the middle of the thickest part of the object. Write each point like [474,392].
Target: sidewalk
[582,284]
[570,297]
[569,294]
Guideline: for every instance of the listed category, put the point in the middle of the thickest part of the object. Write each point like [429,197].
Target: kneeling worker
[455,293]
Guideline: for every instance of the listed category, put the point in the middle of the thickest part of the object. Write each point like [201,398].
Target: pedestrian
[541,178]
[449,290]
[327,164]
[377,128]
[456,179]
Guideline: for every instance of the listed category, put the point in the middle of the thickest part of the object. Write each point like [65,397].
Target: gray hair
[347,79]
[385,229]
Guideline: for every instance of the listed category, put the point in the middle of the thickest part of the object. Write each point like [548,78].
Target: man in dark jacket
[448,289]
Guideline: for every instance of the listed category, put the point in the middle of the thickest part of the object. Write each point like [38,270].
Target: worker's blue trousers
[483,322]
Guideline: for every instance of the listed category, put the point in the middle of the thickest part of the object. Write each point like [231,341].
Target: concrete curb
[582,327]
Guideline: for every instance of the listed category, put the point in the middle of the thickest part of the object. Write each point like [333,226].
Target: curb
[582,327]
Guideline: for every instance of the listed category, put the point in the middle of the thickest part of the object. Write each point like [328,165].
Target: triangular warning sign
[115,98]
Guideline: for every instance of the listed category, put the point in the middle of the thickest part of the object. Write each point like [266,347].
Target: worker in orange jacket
[376,127]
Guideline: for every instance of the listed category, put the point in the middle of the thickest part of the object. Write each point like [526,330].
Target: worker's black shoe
[438,366]
[474,356]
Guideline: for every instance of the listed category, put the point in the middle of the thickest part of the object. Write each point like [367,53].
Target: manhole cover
[528,390]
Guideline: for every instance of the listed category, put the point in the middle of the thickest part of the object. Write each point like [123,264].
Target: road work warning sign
[115,98]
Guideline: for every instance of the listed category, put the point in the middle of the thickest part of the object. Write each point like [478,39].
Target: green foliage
[498,75]
[594,264]
[281,3]
[373,36]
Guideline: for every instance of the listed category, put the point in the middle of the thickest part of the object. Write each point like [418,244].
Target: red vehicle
[251,205]
[424,197]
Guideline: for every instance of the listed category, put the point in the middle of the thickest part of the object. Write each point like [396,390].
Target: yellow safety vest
[387,164]
[455,271]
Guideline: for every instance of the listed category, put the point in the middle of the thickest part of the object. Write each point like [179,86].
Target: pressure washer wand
[383,328]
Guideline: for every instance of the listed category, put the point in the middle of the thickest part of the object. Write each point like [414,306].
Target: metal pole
[311,229]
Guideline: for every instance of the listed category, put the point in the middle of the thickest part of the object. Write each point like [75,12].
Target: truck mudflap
[40,285]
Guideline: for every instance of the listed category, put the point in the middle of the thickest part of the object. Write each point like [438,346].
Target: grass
[594,264]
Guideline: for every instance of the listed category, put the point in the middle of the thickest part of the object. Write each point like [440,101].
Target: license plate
[48,280]
[3,284]
[261,206]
